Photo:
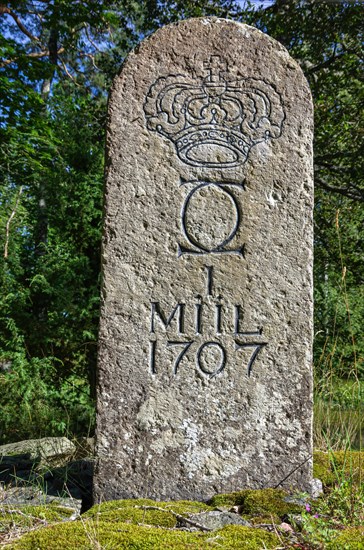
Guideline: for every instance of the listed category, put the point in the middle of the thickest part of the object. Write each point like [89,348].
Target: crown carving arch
[216,120]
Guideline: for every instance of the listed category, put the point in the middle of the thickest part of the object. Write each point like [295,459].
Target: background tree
[58,59]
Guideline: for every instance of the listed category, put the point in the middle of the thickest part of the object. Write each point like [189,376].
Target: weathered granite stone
[216,519]
[48,450]
[36,497]
[204,377]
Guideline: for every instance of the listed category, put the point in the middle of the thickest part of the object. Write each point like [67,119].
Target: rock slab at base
[204,375]
[48,450]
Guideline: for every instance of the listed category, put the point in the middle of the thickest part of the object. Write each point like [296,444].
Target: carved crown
[214,121]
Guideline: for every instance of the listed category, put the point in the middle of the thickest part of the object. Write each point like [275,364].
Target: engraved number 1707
[206,353]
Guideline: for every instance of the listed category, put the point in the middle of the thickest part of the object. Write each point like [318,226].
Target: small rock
[316,488]
[21,495]
[31,495]
[297,519]
[85,447]
[47,449]
[286,527]
[295,499]
[216,520]
[237,509]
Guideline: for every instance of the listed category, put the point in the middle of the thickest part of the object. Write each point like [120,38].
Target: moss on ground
[260,502]
[349,539]
[232,537]
[182,507]
[134,511]
[269,501]
[334,467]
[118,536]
[131,514]
[263,519]
[229,499]
[125,524]
[21,517]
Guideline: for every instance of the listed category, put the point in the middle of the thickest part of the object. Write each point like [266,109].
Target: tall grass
[338,416]
[339,389]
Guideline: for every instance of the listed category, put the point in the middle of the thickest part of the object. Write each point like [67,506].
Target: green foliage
[51,169]
[34,405]
[338,413]
[339,295]
[330,521]
[337,467]
[343,505]
[315,531]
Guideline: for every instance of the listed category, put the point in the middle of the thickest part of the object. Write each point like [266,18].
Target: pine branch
[7,227]
[356,196]
[33,55]
[24,30]
[326,63]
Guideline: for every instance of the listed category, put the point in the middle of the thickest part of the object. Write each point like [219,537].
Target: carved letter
[238,319]
[198,318]
[218,318]
[163,318]
[209,271]
[152,356]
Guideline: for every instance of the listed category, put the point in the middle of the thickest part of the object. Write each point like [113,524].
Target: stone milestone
[204,375]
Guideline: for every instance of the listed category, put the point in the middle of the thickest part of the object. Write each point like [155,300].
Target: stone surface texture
[204,375]
[47,450]
[216,519]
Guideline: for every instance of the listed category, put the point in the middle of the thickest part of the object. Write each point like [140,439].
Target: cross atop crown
[215,65]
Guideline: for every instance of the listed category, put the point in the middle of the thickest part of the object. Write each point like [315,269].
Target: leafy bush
[35,404]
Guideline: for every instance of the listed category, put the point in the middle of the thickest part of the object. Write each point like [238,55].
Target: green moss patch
[116,536]
[263,519]
[261,502]
[349,539]
[232,537]
[228,500]
[269,501]
[21,517]
[137,512]
[183,507]
[130,512]
[333,467]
